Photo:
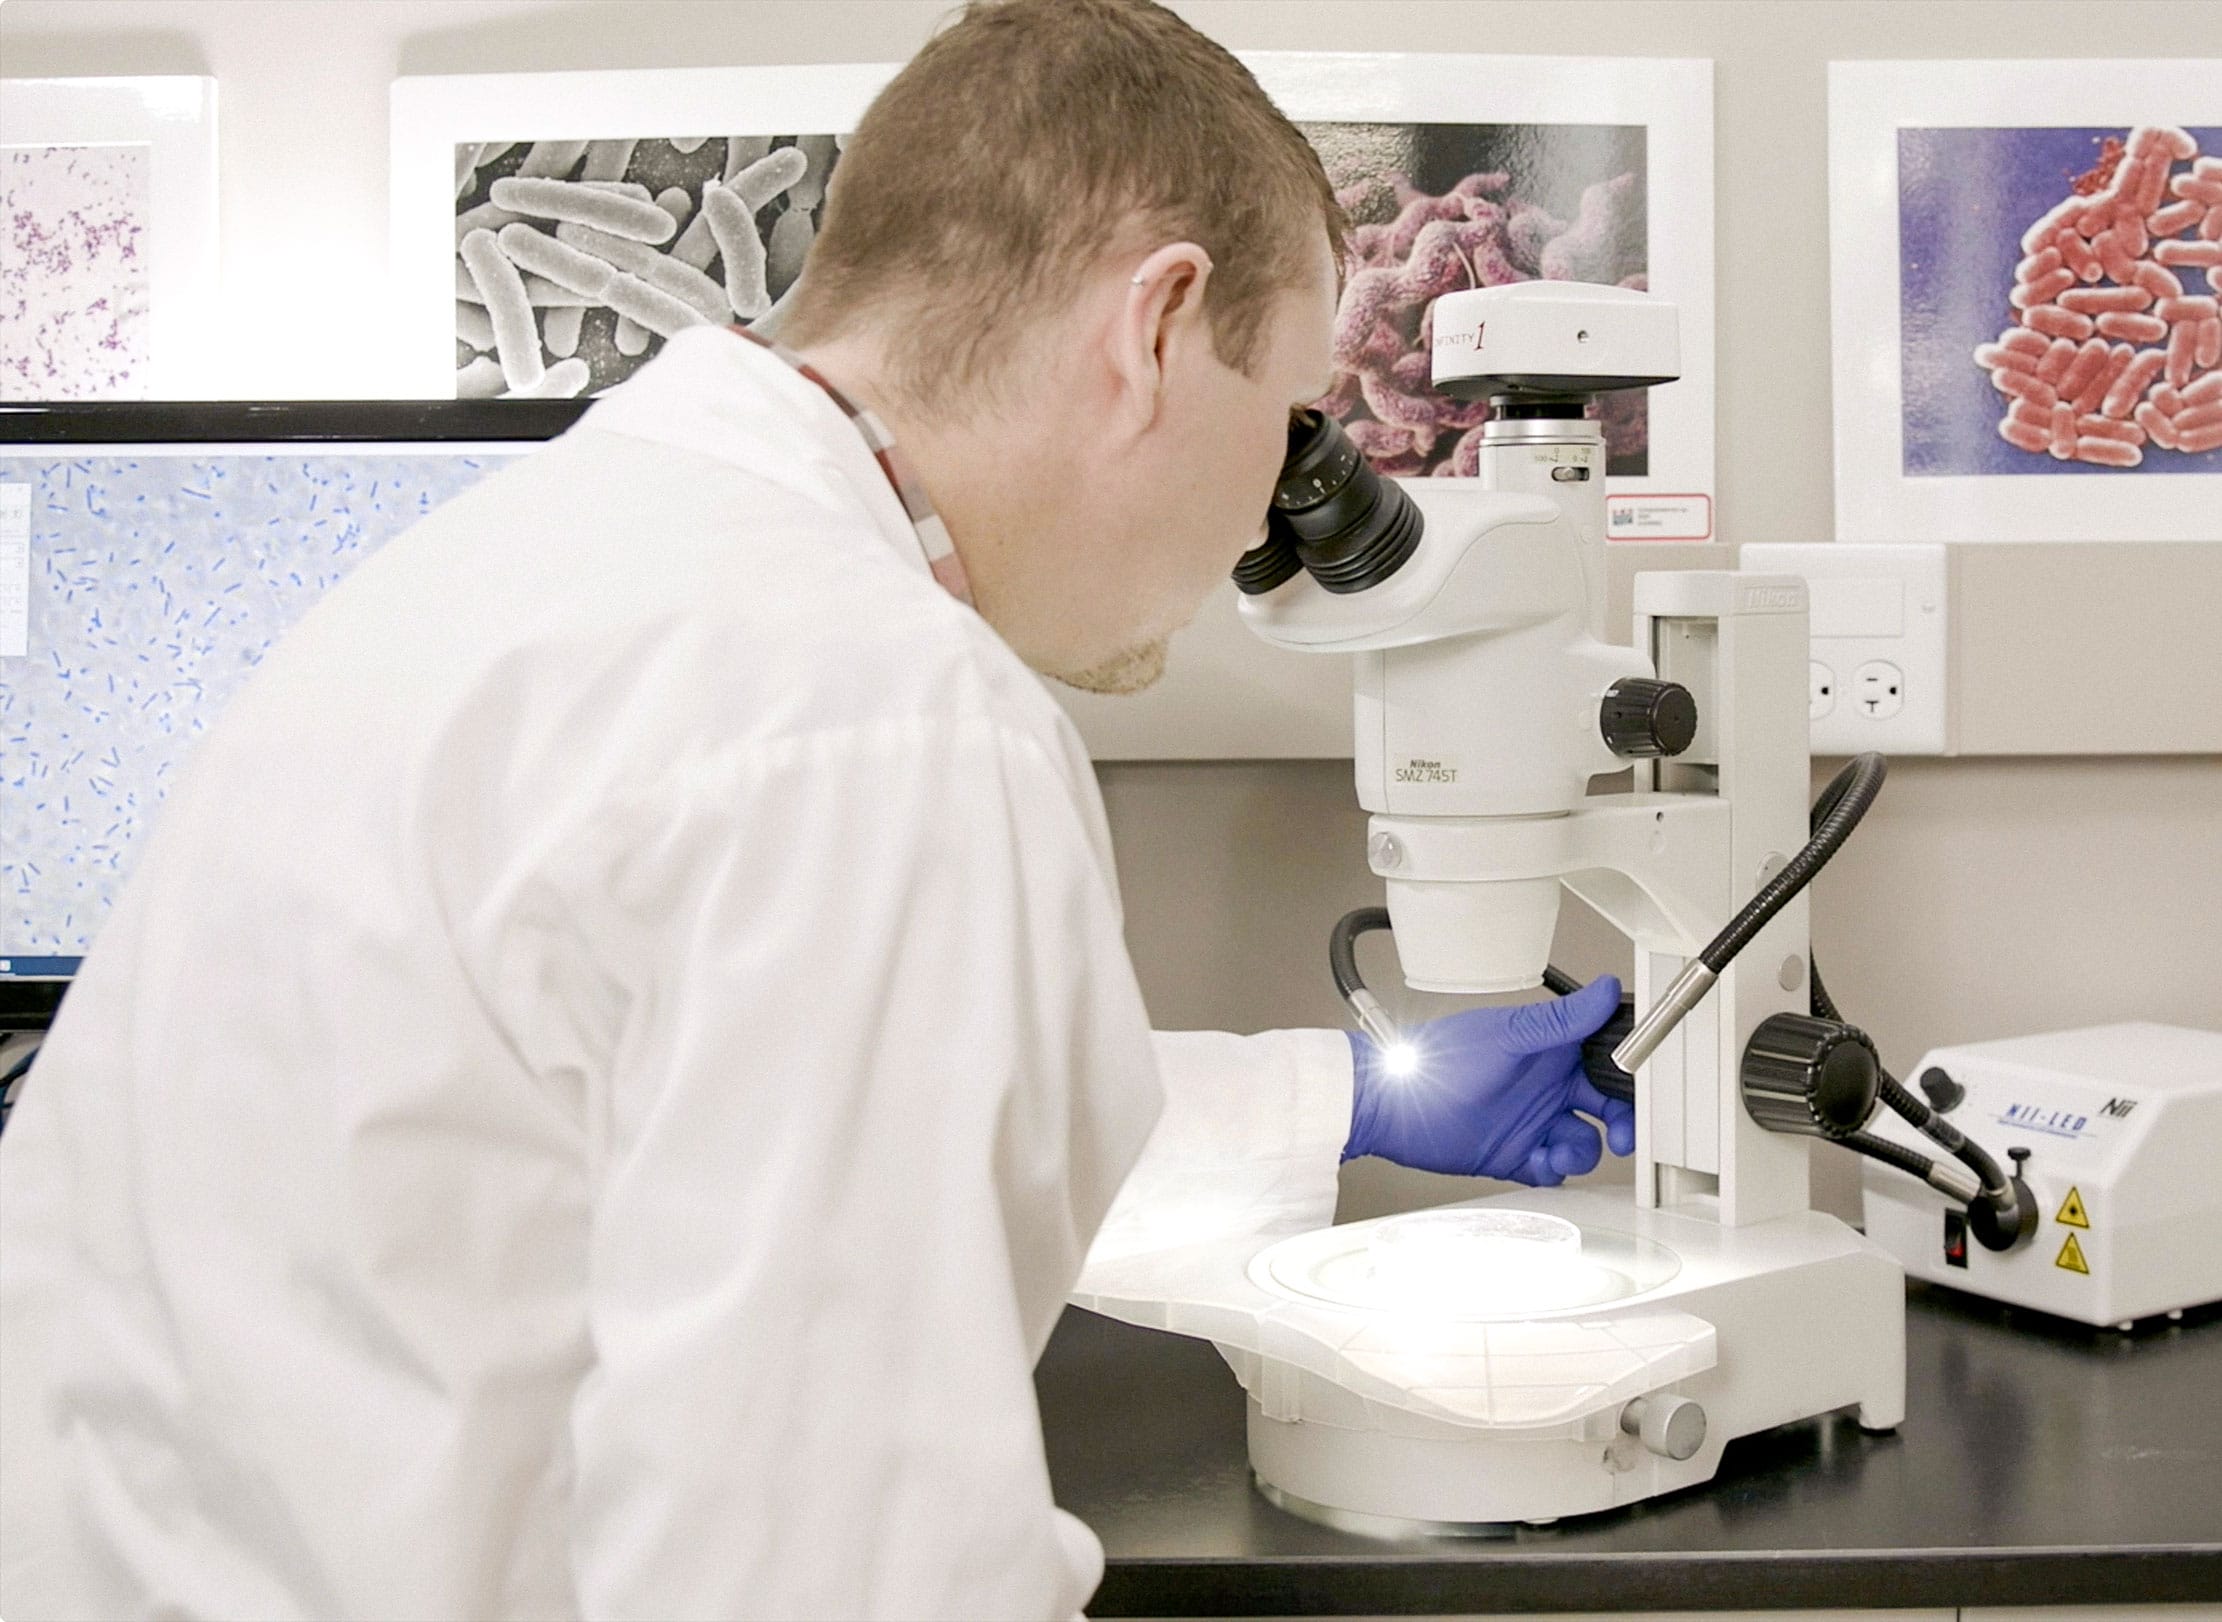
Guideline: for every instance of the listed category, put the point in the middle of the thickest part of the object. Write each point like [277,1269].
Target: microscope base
[1809,1316]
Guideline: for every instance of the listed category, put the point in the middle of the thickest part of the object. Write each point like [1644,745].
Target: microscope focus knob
[1672,1427]
[1643,719]
[1817,1077]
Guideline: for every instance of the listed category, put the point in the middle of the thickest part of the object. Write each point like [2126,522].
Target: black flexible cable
[1882,1149]
[1342,947]
[1838,812]
[1998,1188]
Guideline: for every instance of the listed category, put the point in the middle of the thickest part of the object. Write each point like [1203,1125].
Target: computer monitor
[150,555]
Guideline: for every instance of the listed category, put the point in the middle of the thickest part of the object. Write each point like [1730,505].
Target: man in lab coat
[619,1044]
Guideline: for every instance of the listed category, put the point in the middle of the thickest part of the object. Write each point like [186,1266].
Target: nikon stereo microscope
[1561,1351]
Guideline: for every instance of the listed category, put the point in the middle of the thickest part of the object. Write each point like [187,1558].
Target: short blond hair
[1017,148]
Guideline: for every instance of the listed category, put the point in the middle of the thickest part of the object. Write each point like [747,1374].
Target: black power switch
[1955,1238]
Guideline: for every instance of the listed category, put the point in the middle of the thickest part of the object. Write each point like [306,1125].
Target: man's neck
[988,479]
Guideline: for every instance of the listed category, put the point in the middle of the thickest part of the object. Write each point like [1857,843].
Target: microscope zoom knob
[1672,1427]
[1816,1077]
[1642,719]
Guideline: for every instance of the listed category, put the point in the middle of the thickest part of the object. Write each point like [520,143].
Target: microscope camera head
[1552,341]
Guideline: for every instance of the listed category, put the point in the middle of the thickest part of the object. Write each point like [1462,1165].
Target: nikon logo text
[1769,599]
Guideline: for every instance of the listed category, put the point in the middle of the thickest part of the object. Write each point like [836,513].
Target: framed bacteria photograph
[551,230]
[2026,287]
[1476,171]
[108,268]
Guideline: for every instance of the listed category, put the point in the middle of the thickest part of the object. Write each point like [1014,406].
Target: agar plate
[1465,1264]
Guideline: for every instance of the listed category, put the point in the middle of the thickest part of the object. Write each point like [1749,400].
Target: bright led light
[1402,1059]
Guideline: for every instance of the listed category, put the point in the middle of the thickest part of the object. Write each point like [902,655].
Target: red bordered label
[1665,516]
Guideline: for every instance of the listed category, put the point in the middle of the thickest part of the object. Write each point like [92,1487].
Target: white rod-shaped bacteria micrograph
[588,205]
[768,176]
[473,326]
[741,249]
[696,247]
[566,267]
[516,336]
[547,159]
[480,380]
[652,308]
[547,295]
[788,246]
[741,151]
[559,330]
[485,217]
[660,271]
[619,245]
[607,160]
[809,189]
[565,380]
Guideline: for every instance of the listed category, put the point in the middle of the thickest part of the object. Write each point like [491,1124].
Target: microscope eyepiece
[1331,514]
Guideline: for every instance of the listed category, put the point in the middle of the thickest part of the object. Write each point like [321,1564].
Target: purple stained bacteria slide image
[2058,297]
[1438,208]
[73,276]
[156,584]
[575,260]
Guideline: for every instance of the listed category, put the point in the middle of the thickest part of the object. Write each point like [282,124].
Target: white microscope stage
[1385,1407]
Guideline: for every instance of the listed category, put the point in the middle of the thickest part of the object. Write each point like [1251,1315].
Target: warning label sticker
[2072,1214]
[2071,1257]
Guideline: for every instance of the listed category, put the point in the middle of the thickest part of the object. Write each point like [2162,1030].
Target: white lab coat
[607,1069]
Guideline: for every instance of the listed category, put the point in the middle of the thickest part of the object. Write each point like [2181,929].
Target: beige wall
[1984,898]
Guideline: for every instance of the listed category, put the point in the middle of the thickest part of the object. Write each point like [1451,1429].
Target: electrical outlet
[1878,689]
[1881,621]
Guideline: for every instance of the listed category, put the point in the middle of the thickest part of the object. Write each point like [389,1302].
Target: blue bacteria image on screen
[156,584]
[2058,300]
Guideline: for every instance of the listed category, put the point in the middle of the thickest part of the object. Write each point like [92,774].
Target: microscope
[1560,1351]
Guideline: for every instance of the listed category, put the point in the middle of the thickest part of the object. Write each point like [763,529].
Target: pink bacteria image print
[2061,300]
[1436,208]
[74,305]
[575,260]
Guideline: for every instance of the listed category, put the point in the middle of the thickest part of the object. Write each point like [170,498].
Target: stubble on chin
[1131,671]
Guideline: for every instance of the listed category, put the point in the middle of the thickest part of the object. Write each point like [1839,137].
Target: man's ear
[1161,311]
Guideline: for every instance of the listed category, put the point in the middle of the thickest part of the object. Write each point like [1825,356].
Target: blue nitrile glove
[1493,1093]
